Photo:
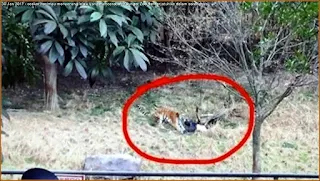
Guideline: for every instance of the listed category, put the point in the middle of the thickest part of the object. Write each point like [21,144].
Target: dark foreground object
[275,176]
[190,126]
[38,174]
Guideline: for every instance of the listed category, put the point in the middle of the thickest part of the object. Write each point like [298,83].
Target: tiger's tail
[148,114]
[142,110]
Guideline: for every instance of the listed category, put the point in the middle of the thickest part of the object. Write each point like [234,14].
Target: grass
[90,124]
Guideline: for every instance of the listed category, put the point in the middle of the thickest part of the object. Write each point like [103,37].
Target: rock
[116,162]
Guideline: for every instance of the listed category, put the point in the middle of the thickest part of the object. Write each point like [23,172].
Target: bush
[17,50]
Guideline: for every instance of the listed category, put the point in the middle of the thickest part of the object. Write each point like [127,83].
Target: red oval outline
[170,80]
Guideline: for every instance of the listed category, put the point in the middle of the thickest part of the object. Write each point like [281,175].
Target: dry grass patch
[63,140]
[184,97]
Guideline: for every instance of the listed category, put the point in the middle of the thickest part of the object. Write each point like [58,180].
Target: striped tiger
[164,115]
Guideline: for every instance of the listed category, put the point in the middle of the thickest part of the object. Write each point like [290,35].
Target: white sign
[70,177]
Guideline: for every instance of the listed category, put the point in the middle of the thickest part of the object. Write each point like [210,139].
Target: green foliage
[100,63]
[57,35]
[297,18]
[300,16]
[108,35]
[17,54]
[122,29]
[298,63]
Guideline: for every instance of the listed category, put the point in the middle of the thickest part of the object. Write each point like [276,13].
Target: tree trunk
[50,84]
[256,139]
[166,33]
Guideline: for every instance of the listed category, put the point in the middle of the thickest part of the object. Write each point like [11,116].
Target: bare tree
[219,37]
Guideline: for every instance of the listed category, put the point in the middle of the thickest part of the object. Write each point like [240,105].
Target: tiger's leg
[164,125]
[160,120]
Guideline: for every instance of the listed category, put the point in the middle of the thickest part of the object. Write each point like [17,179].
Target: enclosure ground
[90,123]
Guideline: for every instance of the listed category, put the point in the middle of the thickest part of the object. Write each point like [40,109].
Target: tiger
[164,115]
